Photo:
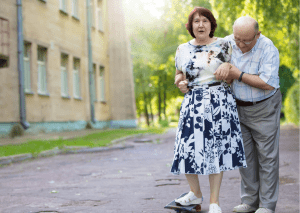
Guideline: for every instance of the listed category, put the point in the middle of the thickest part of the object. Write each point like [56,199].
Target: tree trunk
[150,105]
[159,100]
[146,109]
[165,95]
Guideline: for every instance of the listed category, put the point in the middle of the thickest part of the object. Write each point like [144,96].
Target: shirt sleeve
[269,67]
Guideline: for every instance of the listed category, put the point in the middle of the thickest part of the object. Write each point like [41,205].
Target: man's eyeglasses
[246,43]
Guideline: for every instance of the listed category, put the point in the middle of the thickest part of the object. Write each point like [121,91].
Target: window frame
[42,77]
[64,61]
[63,7]
[75,9]
[27,72]
[76,79]
[95,91]
[100,18]
[102,83]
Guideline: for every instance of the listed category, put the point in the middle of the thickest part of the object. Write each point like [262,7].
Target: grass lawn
[101,138]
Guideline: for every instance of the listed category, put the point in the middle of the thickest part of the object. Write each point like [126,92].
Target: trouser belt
[247,103]
[209,85]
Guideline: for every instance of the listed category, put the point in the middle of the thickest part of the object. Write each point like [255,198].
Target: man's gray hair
[256,27]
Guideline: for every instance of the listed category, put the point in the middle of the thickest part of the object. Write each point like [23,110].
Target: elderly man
[255,83]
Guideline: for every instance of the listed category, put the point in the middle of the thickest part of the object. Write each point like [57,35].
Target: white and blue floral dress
[208,138]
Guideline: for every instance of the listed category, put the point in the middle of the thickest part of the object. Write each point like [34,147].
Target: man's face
[245,39]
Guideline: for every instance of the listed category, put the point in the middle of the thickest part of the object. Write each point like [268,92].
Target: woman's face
[201,27]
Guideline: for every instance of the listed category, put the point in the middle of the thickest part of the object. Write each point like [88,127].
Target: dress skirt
[208,137]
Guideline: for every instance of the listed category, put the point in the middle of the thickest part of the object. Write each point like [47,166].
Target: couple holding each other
[223,128]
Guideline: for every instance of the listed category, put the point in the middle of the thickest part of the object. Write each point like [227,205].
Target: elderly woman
[208,138]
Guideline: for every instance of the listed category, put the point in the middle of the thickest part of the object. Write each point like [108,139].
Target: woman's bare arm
[178,77]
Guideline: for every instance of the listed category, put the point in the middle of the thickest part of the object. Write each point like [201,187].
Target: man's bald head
[245,25]
[246,33]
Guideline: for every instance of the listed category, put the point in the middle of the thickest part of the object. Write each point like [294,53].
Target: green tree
[154,45]
[279,21]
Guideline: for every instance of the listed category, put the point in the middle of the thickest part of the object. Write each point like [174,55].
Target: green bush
[292,105]
[164,123]
[16,130]
[89,125]
[286,80]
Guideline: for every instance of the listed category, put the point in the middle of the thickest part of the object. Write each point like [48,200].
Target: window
[76,78]
[100,17]
[92,11]
[63,5]
[75,8]
[64,75]
[27,72]
[94,82]
[102,83]
[42,72]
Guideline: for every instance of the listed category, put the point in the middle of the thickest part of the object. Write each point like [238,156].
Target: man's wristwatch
[240,78]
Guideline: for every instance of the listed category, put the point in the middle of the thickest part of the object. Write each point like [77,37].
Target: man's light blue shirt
[261,60]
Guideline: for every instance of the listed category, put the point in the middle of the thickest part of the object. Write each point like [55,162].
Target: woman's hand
[223,71]
[178,77]
[182,85]
[181,81]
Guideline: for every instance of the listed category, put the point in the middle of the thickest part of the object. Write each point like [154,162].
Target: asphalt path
[135,179]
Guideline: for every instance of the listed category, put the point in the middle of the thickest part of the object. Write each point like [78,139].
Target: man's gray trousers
[260,124]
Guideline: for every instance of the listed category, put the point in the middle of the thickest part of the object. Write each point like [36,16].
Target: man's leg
[266,135]
[249,175]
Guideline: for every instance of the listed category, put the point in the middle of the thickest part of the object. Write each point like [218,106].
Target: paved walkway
[127,180]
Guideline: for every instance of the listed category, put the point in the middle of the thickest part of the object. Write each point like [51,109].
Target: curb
[130,137]
[70,150]
[56,151]
[95,149]
[14,159]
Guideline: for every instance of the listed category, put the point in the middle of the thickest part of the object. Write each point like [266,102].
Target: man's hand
[229,80]
[223,71]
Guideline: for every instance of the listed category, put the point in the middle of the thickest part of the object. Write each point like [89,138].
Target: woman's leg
[194,184]
[215,184]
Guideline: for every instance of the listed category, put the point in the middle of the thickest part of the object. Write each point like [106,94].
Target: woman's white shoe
[214,208]
[189,199]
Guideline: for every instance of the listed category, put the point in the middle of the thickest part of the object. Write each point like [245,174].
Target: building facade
[76,65]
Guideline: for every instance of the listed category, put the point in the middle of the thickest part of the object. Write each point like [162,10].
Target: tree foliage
[278,20]
[154,46]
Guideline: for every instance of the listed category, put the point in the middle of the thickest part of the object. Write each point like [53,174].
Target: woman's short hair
[201,11]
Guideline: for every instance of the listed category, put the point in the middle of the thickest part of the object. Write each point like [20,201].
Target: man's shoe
[189,199]
[244,208]
[214,208]
[264,210]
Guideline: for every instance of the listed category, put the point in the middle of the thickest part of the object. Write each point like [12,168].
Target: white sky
[137,6]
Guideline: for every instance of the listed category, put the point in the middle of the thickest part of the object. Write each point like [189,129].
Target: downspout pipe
[90,61]
[22,105]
